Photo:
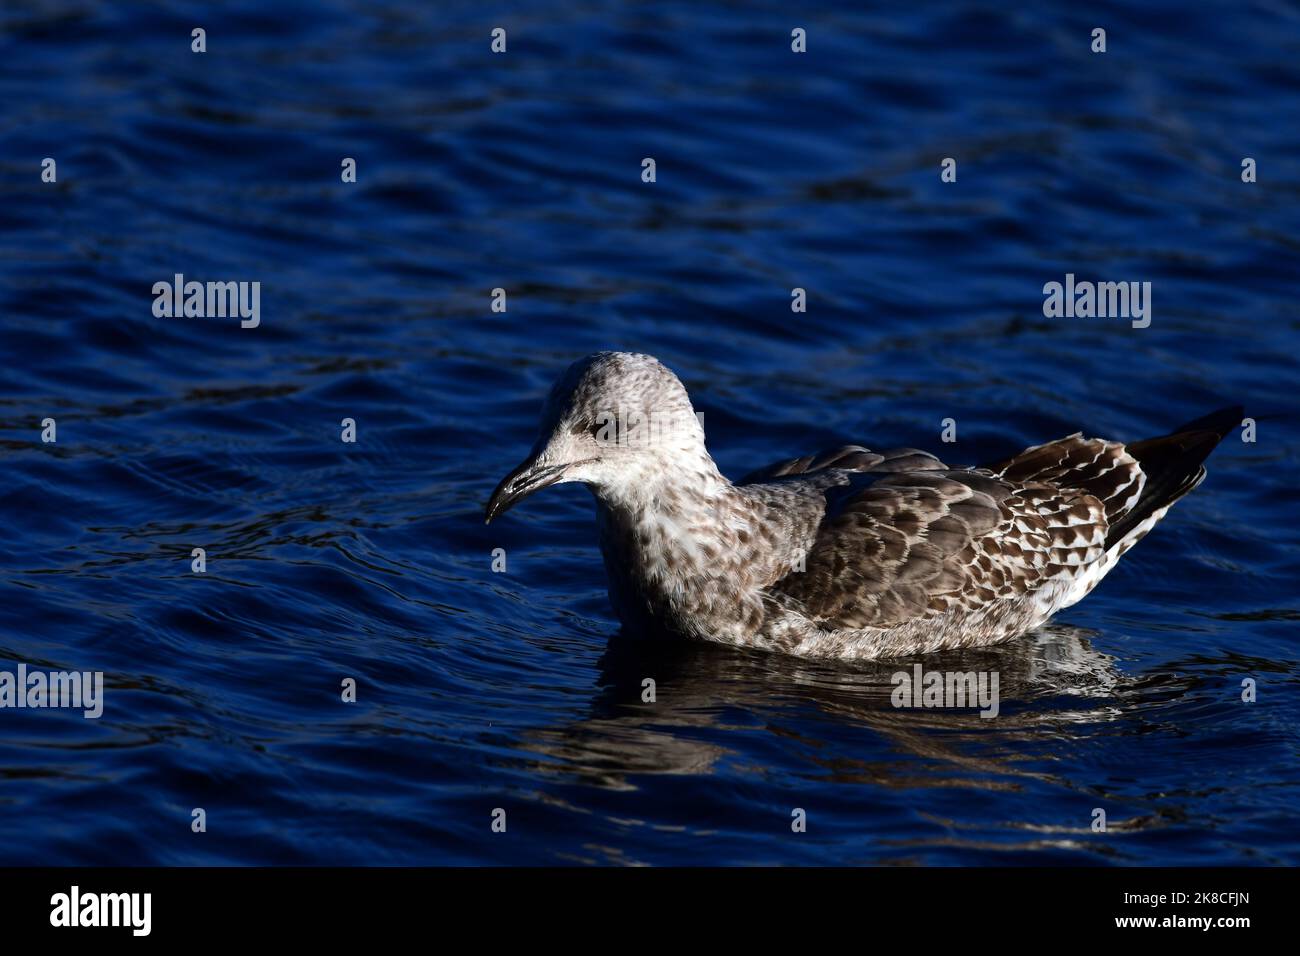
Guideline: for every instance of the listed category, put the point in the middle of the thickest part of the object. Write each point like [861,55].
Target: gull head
[616,421]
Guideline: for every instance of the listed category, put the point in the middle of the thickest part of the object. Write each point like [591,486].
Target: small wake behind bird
[849,553]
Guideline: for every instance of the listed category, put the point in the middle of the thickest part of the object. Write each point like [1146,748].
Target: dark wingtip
[1174,464]
[1220,422]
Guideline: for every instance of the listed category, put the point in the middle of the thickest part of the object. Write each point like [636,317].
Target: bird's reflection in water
[1049,682]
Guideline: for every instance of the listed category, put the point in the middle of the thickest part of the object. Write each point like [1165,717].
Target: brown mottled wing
[848,458]
[1103,469]
[918,544]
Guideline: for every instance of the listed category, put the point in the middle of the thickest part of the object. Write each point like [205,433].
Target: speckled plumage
[848,553]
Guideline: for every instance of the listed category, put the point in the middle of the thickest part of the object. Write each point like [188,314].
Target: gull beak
[521,483]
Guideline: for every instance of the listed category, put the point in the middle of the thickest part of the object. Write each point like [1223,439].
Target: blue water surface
[775,170]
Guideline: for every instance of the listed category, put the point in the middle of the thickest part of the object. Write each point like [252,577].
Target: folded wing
[848,458]
[918,544]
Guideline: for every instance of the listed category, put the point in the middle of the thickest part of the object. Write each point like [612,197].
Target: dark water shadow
[1048,682]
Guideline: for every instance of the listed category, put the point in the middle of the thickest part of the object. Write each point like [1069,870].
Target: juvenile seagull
[848,553]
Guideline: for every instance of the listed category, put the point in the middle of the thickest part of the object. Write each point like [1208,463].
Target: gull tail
[1135,483]
[1173,465]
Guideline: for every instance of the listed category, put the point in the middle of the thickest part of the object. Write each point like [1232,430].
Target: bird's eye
[605,429]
